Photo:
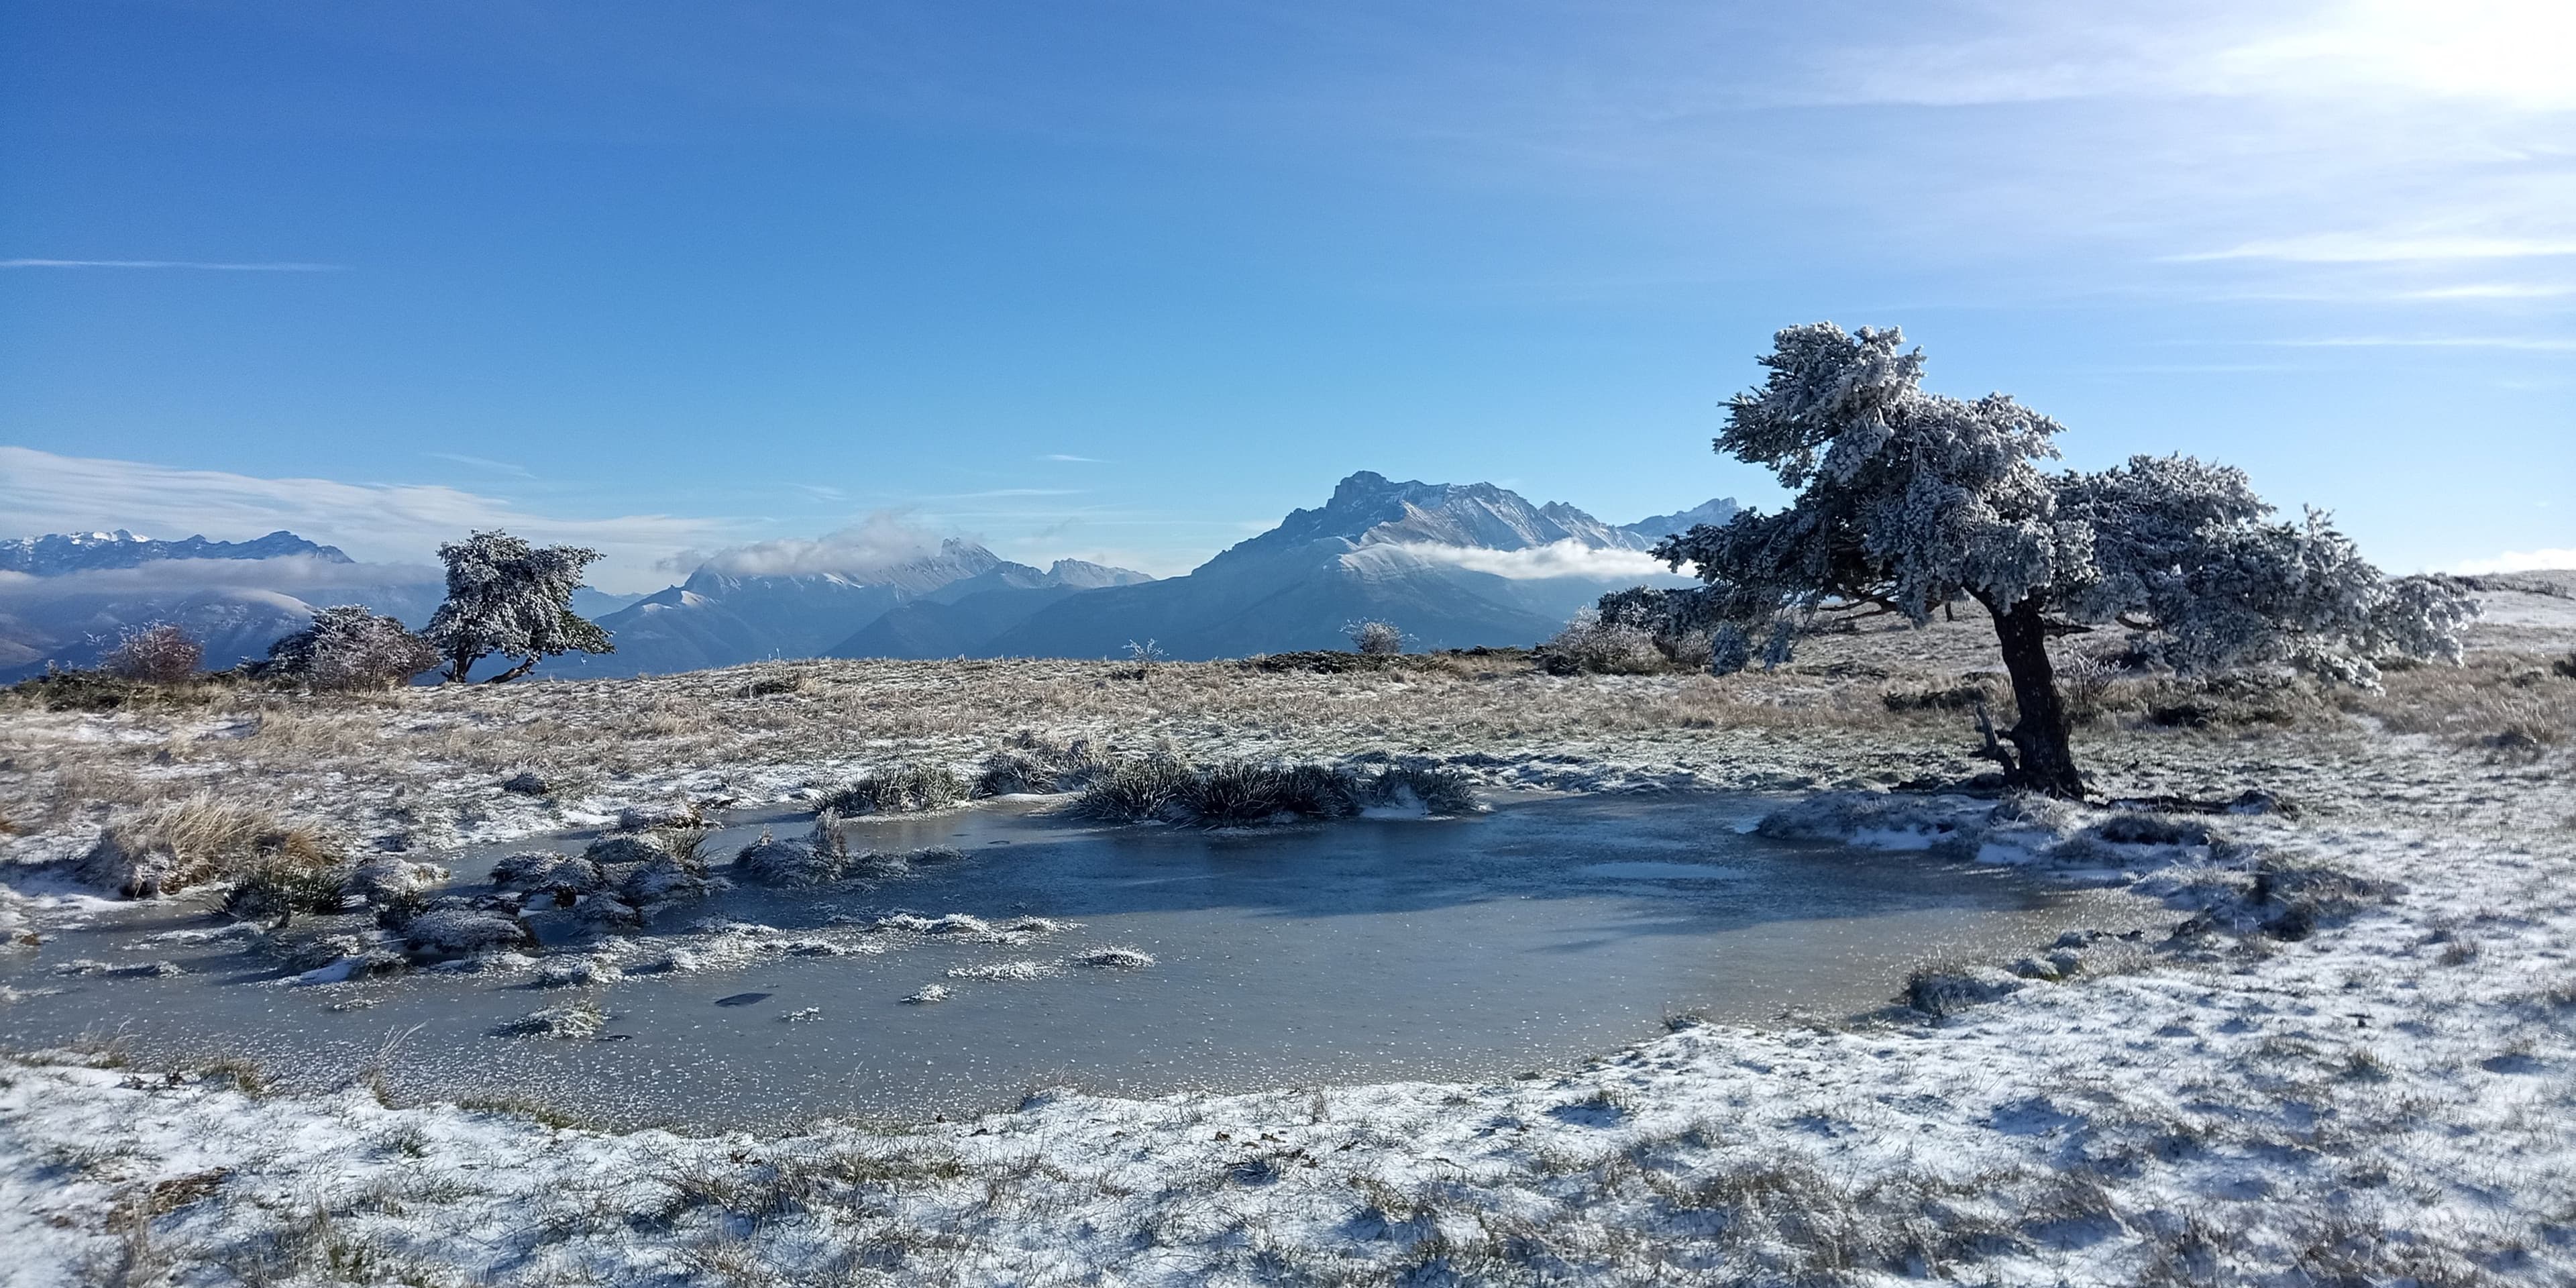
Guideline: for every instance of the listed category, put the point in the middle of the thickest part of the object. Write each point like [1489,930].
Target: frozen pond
[1356,951]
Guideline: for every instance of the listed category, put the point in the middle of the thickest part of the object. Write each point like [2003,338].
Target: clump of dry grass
[902,789]
[2505,700]
[168,846]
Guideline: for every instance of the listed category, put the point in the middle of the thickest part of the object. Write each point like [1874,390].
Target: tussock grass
[169,846]
[1243,793]
[902,789]
[2510,701]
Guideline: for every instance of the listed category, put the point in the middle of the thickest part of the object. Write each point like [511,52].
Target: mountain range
[1452,565]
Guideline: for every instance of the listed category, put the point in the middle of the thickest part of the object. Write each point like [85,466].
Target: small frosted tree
[1375,638]
[1907,500]
[507,597]
[348,647]
[158,653]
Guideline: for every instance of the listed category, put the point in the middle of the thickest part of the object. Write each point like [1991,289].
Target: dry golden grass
[2504,699]
[210,838]
[422,757]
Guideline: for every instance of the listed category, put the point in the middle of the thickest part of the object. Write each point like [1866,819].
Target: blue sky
[1127,281]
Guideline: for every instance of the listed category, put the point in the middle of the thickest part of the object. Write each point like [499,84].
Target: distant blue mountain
[57,554]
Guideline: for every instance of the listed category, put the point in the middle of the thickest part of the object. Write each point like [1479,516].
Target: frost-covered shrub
[1679,621]
[903,789]
[508,597]
[1589,645]
[611,851]
[1375,638]
[385,878]
[159,653]
[464,930]
[1114,958]
[821,858]
[579,1021]
[1940,993]
[275,889]
[657,817]
[348,647]
[1729,650]
[543,872]
[664,881]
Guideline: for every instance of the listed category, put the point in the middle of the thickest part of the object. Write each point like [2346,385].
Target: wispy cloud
[43,492]
[2533,344]
[2520,561]
[2384,248]
[1006,491]
[2489,291]
[483,463]
[202,265]
[1078,460]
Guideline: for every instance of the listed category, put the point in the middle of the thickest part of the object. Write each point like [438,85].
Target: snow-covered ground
[2349,1061]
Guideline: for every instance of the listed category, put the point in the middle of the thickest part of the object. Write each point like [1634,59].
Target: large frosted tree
[508,597]
[1908,500]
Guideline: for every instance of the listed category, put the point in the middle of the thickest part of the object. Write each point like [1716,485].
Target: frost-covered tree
[1907,500]
[1375,637]
[508,597]
[348,647]
[158,653]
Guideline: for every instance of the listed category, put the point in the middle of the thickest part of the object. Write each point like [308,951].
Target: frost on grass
[1017,970]
[586,971]
[463,930]
[564,877]
[899,789]
[172,846]
[1118,958]
[574,1022]
[1247,793]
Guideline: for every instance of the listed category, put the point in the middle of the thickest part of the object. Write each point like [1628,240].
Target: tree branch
[526,664]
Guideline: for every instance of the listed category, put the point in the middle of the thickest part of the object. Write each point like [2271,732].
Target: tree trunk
[526,664]
[2041,735]
[459,665]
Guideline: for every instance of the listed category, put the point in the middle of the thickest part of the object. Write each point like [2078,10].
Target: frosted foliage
[159,653]
[2183,546]
[348,647]
[507,597]
[1910,499]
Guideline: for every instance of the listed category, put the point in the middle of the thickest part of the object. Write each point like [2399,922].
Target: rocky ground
[2347,1061]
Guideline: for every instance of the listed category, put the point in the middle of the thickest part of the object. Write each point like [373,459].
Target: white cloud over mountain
[44,492]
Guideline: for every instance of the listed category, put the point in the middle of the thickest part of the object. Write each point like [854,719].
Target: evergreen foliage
[1907,500]
[508,597]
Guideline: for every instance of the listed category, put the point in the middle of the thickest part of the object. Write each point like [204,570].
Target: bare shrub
[1589,645]
[348,647]
[159,653]
[1375,638]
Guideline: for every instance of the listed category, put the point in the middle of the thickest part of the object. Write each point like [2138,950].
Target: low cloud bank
[301,576]
[874,544]
[2520,561]
[1568,558]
